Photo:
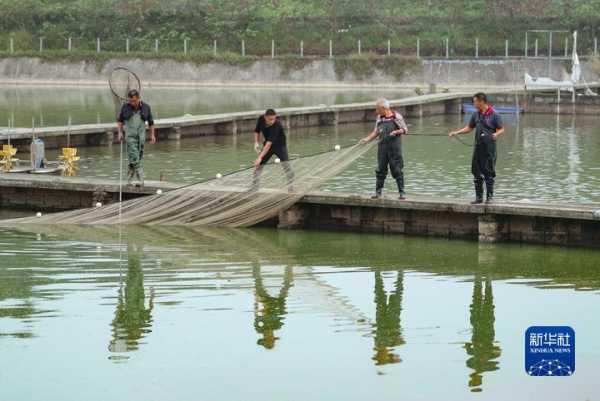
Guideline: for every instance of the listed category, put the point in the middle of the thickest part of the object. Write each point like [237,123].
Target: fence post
[526,44]
[359,47]
[595,47]
[127,45]
[214,47]
[418,48]
[185,46]
[97,45]
[41,44]
[550,56]
[70,44]
[243,47]
[330,48]
[301,48]
[566,47]
[12,45]
[272,48]
[447,48]
[476,47]
[506,48]
[389,48]
[536,48]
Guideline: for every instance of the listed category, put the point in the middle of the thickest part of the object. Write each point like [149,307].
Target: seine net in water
[240,199]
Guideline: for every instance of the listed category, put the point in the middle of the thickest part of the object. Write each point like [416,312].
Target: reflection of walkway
[482,349]
[387,330]
[133,320]
[269,311]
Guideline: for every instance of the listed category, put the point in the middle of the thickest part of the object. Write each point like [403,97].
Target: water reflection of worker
[387,332]
[482,349]
[269,311]
[133,319]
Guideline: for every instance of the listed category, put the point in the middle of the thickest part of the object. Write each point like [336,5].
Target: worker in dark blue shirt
[488,128]
[133,117]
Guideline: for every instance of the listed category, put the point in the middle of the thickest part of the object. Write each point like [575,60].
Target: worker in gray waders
[389,127]
[133,117]
[488,128]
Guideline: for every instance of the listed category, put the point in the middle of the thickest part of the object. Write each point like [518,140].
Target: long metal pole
[120,178]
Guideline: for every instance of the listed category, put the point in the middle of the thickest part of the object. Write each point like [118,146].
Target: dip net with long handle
[121,81]
[240,199]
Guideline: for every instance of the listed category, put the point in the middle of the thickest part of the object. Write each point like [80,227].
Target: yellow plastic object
[6,157]
[68,161]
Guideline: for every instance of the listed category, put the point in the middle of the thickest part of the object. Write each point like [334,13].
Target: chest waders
[135,137]
[483,164]
[389,154]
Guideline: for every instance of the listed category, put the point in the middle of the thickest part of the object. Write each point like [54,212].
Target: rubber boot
[139,173]
[489,186]
[130,174]
[402,195]
[478,193]
[378,189]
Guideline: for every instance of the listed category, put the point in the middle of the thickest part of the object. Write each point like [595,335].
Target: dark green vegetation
[289,21]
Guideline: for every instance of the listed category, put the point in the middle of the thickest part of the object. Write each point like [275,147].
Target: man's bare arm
[464,130]
[152,134]
[120,130]
[257,141]
[262,154]
[369,137]
[499,132]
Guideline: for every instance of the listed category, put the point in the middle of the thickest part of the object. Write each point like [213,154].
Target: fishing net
[240,199]
[121,81]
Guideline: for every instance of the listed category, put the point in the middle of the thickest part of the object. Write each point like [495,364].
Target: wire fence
[531,47]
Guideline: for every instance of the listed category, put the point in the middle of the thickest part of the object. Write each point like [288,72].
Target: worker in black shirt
[274,144]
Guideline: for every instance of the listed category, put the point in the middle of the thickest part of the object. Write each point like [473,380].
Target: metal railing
[442,48]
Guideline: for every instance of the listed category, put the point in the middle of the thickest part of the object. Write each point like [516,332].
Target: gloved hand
[257,147]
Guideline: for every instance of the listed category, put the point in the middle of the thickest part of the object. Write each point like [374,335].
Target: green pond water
[542,158]
[95,313]
[54,106]
[260,314]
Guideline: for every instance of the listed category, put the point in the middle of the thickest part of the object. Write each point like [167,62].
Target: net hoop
[116,79]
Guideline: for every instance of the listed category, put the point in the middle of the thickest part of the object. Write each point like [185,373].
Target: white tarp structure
[568,84]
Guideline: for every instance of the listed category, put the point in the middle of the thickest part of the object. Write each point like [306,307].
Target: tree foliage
[315,22]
